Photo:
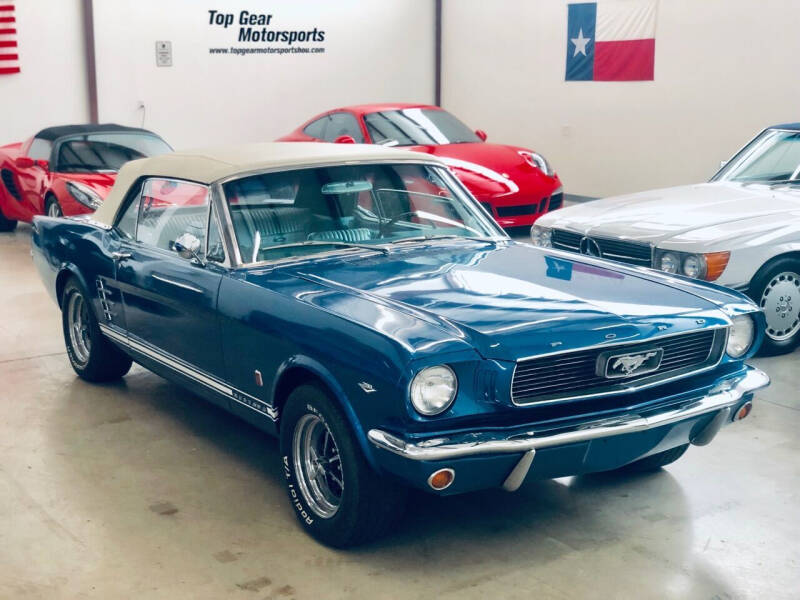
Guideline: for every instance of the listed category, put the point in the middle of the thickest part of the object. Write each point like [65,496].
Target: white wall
[375,51]
[723,70]
[51,89]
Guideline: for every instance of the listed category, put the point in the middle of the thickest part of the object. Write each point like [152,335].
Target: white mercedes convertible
[740,230]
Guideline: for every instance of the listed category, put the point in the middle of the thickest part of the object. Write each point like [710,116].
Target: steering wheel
[412,213]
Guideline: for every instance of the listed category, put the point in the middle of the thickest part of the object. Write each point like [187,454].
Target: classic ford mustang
[741,230]
[356,302]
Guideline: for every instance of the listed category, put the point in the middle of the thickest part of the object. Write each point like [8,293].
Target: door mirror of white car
[722,163]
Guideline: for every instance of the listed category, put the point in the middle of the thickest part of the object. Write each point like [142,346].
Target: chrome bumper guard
[723,396]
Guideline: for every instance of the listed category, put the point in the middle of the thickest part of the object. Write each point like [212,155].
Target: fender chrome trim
[724,395]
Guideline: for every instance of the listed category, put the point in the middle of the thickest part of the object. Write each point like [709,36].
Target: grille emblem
[589,247]
[613,366]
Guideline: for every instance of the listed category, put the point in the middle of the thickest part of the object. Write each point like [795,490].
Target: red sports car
[67,170]
[515,185]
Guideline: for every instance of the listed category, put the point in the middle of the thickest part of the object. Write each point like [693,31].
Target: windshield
[774,156]
[106,151]
[417,127]
[306,211]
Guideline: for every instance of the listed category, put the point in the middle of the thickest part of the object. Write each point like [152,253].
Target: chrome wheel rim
[781,303]
[78,325]
[54,210]
[318,466]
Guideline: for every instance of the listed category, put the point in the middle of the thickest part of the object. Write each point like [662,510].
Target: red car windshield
[106,151]
[417,127]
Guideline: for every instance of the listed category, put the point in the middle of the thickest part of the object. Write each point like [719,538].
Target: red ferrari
[515,185]
[67,170]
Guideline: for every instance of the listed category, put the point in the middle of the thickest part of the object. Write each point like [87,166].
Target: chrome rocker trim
[722,397]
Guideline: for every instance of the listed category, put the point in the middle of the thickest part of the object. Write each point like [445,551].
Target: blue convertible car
[360,304]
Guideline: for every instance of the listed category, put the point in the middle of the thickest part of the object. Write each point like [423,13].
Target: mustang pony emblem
[630,363]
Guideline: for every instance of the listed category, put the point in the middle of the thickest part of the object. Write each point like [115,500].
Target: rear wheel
[656,461]
[7,224]
[337,497]
[53,208]
[776,289]
[91,354]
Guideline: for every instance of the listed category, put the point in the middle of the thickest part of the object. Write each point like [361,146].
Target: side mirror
[722,163]
[24,162]
[188,246]
[481,134]
[344,139]
[43,164]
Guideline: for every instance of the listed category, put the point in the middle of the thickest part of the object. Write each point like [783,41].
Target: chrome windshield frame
[229,233]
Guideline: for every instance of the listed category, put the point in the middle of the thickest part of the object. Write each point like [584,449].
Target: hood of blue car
[511,300]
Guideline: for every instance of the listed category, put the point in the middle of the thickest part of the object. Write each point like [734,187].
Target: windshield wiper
[783,182]
[373,247]
[427,238]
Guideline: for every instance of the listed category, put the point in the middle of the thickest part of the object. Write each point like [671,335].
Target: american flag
[9,59]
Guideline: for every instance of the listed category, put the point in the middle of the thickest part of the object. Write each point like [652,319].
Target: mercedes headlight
[741,335]
[707,266]
[541,236]
[669,262]
[433,390]
[537,160]
[85,195]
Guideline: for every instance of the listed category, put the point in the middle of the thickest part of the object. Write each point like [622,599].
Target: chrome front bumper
[722,397]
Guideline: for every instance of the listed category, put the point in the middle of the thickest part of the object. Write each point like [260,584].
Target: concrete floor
[139,489]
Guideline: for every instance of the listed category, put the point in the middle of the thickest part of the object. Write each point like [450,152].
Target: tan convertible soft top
[210,165]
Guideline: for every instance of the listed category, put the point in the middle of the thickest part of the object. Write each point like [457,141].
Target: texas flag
[611,40]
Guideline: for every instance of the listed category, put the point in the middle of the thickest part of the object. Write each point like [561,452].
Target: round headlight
[694,265]
[541,236]
[740,336]
[670,263]
[433,390]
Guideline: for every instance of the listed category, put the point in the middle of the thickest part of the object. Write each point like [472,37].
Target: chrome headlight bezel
[84,195]
[433,390]
[541,236]
[741,335]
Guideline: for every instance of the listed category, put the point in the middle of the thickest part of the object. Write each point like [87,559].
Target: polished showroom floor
[139,489]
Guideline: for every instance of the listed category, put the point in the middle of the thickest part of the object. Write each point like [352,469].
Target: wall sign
[9,59]
[263,33]
[163,54]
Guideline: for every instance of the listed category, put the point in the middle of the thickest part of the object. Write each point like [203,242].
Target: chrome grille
[571,374]
[632,253]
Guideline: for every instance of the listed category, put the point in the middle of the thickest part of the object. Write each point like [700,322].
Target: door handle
[117,256]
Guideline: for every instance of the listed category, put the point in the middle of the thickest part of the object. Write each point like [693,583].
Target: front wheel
[776,289]
[337,497]
[53,208]
[91,354]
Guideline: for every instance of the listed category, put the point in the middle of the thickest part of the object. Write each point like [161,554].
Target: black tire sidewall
[6,224]
[340,528]
[759,283]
